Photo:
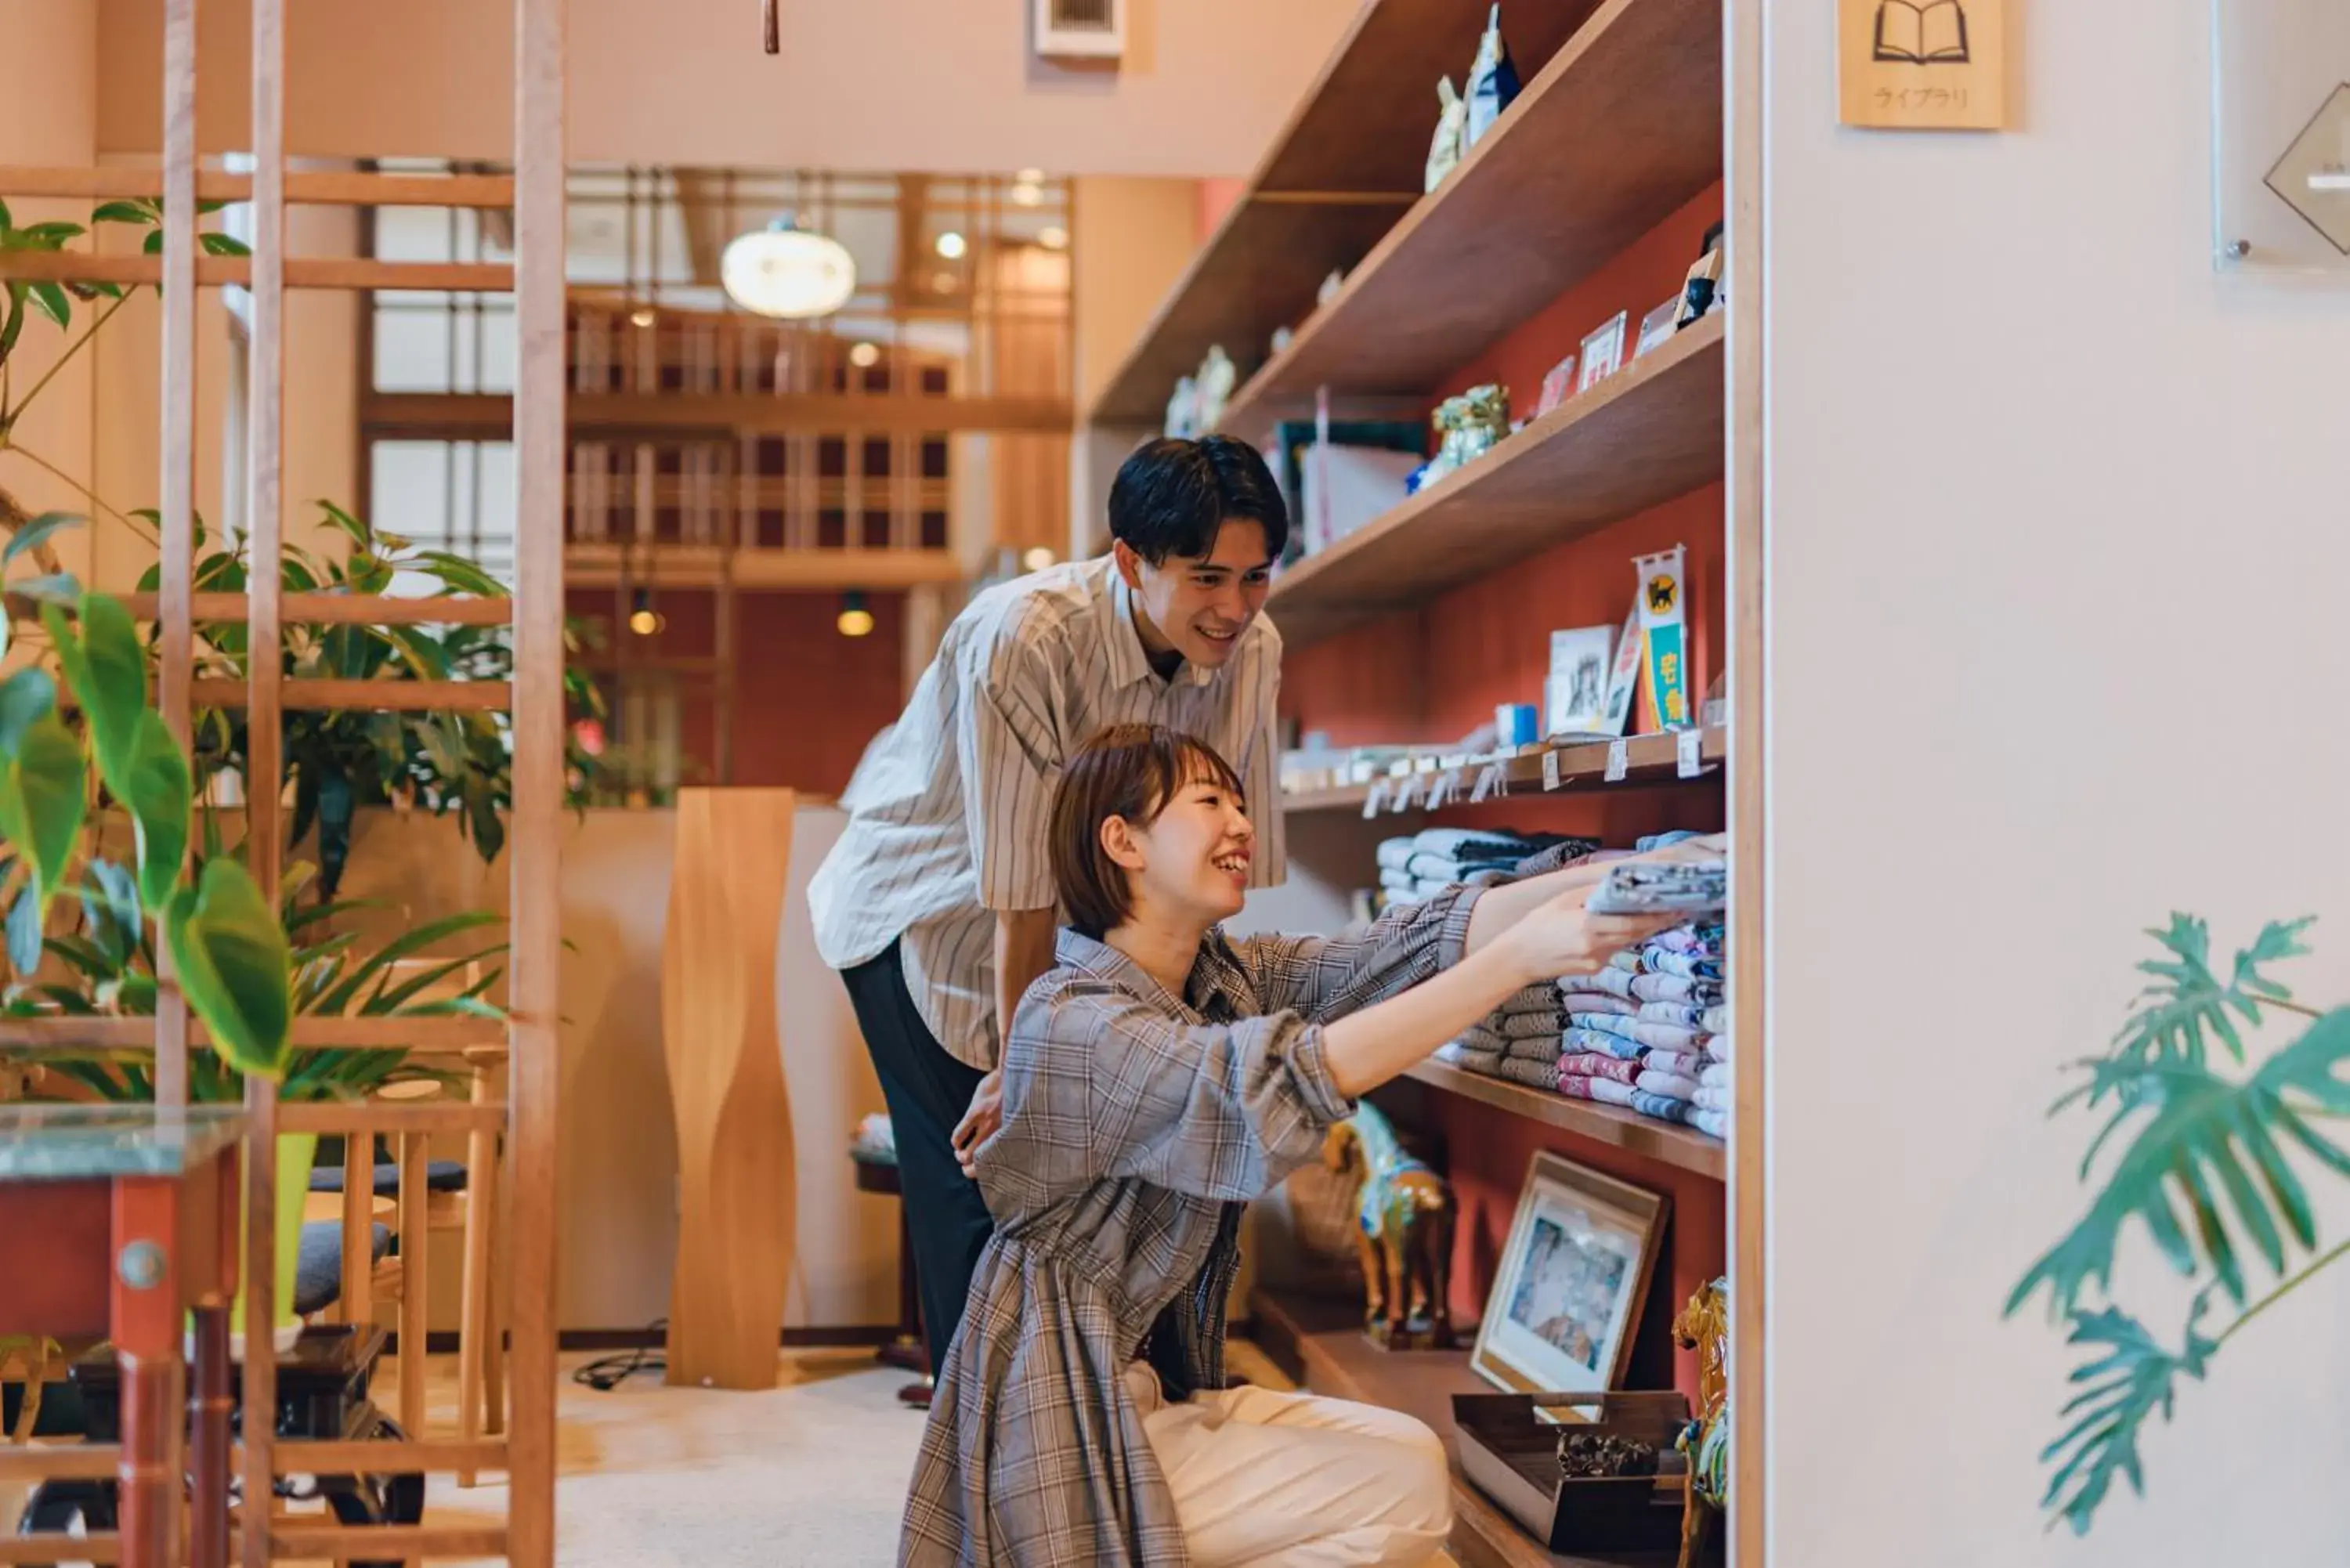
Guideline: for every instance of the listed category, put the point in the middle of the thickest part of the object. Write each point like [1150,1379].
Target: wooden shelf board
[1649,433]
[1348,165]
[1321,1344]
[1619,129]
[1682,1148]
[1649,760]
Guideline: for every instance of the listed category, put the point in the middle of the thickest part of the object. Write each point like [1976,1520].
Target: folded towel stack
[1419,867]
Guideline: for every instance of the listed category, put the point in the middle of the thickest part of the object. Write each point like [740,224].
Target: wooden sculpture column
[726,1084]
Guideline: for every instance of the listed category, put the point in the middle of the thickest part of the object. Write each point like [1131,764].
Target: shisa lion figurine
[1404,1214]
[1703,1327]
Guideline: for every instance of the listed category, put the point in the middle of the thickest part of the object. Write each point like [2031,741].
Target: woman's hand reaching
[1562,937]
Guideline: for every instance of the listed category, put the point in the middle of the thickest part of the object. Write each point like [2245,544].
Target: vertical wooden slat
[265,482]
[357,1298]
[414,1290]
[481,1198]
[179,445]
[1747,553]
[536,849]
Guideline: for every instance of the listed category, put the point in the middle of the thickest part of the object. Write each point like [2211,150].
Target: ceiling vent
[1081,29]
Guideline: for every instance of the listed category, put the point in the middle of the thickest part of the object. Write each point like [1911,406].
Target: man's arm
[1024,951]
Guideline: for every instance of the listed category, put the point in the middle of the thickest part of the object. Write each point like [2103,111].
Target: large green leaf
[32,533]
[232,960]
[25,932]
[2204,1136]
[106,669]
[44,800]
[158,791]
[24,697]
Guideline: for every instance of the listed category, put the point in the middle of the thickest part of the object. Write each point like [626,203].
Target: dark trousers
[927,1092]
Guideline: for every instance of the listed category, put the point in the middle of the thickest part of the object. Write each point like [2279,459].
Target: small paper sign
[1491,780]
[1407,795]
[1692,745]
[1619,760]
[1374,800]
[1923,64]
[1550,770]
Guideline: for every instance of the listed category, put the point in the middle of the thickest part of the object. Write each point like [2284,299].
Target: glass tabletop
[65,1143]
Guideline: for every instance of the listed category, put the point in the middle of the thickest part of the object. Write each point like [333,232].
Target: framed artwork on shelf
[1557,387]
[1579,680]
[1656,327]
[1572,1278]
[1603,352]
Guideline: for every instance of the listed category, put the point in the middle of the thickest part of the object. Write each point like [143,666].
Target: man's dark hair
[1172,496]
[1130,771]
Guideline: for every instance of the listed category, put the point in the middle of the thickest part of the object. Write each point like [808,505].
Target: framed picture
[1603,352]
[1574,1276]
[1556,387]
[1656,327]
[1579,661]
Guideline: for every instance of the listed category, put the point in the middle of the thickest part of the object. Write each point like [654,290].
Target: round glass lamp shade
[787,273]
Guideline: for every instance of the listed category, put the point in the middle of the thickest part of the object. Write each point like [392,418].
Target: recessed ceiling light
[1026,195]
[952,246]
[1052,237]
[855,619]
[1037,559]
[864,356]
[643,315]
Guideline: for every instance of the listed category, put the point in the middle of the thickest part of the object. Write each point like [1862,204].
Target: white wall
[860,83]
[2056,563]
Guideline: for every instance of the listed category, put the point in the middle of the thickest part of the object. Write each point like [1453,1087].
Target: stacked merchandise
[1650,1032]
[1426,864]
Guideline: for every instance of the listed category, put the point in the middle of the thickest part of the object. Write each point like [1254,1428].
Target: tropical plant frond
[2186,1002]
[2132,1378]
[2205,1137]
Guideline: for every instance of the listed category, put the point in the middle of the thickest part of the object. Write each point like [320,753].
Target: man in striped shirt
[936,905]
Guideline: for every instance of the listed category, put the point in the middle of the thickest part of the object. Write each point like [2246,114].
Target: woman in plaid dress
[1158,1079]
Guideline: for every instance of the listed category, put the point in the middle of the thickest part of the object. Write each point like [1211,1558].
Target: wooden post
[535,851]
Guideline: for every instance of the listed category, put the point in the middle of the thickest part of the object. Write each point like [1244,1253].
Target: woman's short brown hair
[1130,771]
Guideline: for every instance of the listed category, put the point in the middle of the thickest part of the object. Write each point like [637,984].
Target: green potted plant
[2210,1165]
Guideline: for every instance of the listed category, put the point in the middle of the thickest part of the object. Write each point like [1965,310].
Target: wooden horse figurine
[1404,1215]
[1703,1327]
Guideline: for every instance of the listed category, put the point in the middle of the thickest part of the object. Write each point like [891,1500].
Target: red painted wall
[806,699]
[1436,673]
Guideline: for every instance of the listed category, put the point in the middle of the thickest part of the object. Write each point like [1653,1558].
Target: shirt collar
[1076,951]
[1129,661]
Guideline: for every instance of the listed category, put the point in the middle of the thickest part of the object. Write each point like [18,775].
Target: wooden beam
[380,1117]
[322,188]
[64,1032]
[705,565]
[482,416]
[338,609]
[364,696]
[300,272]
[388,1457]
[387,1542]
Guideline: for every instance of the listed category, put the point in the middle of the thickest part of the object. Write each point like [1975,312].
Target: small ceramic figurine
[1183,410]
[1330,286]
[1703,287]
[1452,121]
[1703,1327]
[1405,1216]
[1492,83]
[1217,375]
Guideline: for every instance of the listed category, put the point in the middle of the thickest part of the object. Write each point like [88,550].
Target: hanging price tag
[1691,744]
[1619,760]
[1491,780]
[1550,770]
[1407,795]
[1375,799]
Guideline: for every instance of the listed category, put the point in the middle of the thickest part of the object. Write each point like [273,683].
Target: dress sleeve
[1099,1085]
[1326,978]
[1009,745]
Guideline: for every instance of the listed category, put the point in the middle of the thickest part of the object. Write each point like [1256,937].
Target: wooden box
[1510,1450]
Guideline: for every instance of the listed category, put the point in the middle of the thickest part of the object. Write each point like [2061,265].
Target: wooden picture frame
[1574,1277]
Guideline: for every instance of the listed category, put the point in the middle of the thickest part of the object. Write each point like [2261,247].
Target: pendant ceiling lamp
[787,272]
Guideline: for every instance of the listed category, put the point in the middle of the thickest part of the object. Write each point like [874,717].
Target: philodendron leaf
[32,533]
[25,932]
[232,963]
[157,790]
[106,669]
[43,802]
[24,697]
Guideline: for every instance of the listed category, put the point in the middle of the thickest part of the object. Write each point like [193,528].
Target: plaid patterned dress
[1134,1126]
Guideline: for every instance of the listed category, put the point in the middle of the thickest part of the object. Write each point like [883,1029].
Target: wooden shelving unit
[1649,760]
[1679,1146]
[1334,180]
[1321,1346]
[1620,128]
[1649,433]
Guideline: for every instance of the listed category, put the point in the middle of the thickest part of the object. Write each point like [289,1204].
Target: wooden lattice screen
[525,1451]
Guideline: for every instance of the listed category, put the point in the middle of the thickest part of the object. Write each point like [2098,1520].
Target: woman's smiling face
[1194,856]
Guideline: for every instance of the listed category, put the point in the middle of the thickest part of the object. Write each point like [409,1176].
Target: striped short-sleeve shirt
[949,810]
